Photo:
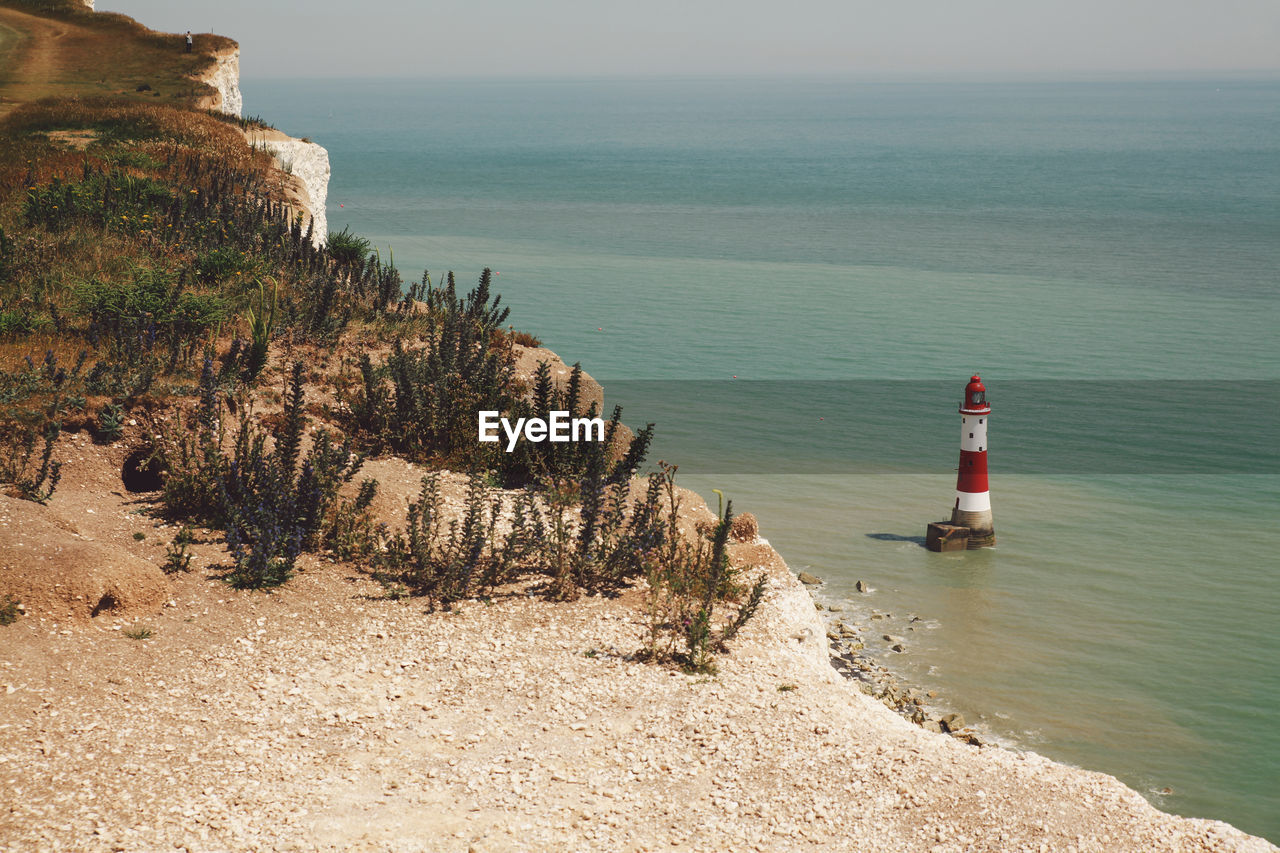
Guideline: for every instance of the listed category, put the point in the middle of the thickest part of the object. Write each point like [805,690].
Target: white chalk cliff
[305,162]
[225,79]
[308,163]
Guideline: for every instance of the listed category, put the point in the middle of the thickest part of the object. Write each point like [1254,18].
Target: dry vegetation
[67,51]
[150,272]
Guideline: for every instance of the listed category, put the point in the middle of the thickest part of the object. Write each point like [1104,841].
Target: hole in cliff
[142,472]
[107,602]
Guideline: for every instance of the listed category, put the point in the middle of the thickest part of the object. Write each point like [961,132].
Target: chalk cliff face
[225,78]
[88,3]
[306,179]
[308,163]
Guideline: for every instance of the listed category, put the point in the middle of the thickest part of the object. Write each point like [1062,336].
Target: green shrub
[110,422]
[274,507]
[272,502]
[18,323]
[689,583]
[582,467]
[178,556]
[445,567]
[10,610]
[261,324]
[347,249]
[146,324]
[423,403]
[131,158]
[33,403]
[223,263]
[190,452]
[116,200]
[686,581]
[447,562]
[351,532]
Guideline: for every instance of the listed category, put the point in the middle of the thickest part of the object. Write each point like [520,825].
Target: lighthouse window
[970,435]
[979,420]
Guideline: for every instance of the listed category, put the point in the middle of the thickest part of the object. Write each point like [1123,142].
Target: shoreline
[876,677]
[329,716]
[841,651]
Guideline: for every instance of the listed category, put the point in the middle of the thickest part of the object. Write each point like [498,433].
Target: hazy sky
[602,37]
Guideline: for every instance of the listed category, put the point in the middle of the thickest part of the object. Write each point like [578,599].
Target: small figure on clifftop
[189,41]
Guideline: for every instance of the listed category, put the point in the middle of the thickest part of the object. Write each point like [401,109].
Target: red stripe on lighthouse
[972,476]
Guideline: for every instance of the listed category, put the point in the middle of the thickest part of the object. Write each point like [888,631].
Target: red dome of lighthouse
[975,397]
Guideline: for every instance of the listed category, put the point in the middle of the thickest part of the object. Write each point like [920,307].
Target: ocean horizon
[795,276]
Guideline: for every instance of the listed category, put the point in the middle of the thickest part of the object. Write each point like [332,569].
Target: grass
[139,632]
[72,52]
[347,248]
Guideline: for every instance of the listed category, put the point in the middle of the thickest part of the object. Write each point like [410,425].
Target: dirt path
[32,65]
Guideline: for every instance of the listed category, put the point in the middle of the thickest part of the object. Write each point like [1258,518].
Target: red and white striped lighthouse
[970,525]
[973,497]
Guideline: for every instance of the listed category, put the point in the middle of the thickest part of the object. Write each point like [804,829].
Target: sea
[794,278]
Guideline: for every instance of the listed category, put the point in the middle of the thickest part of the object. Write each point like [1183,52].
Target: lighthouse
[970,525]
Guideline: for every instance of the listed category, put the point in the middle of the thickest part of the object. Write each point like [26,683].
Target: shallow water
[1104,253]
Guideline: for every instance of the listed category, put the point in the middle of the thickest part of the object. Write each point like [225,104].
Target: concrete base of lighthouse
[967,530]
[982,531]
[942,536]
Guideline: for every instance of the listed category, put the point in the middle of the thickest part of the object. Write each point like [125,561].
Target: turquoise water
[1105,253]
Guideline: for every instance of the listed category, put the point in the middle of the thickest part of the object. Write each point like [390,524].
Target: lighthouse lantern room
[970,525]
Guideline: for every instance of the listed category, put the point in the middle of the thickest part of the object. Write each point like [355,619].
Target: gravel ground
[324,717]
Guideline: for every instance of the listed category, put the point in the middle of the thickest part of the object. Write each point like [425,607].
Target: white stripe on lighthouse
[974,501]
[973,432]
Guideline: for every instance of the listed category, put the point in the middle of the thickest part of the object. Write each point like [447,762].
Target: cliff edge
[304,164]
[305,167]
[225,80]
